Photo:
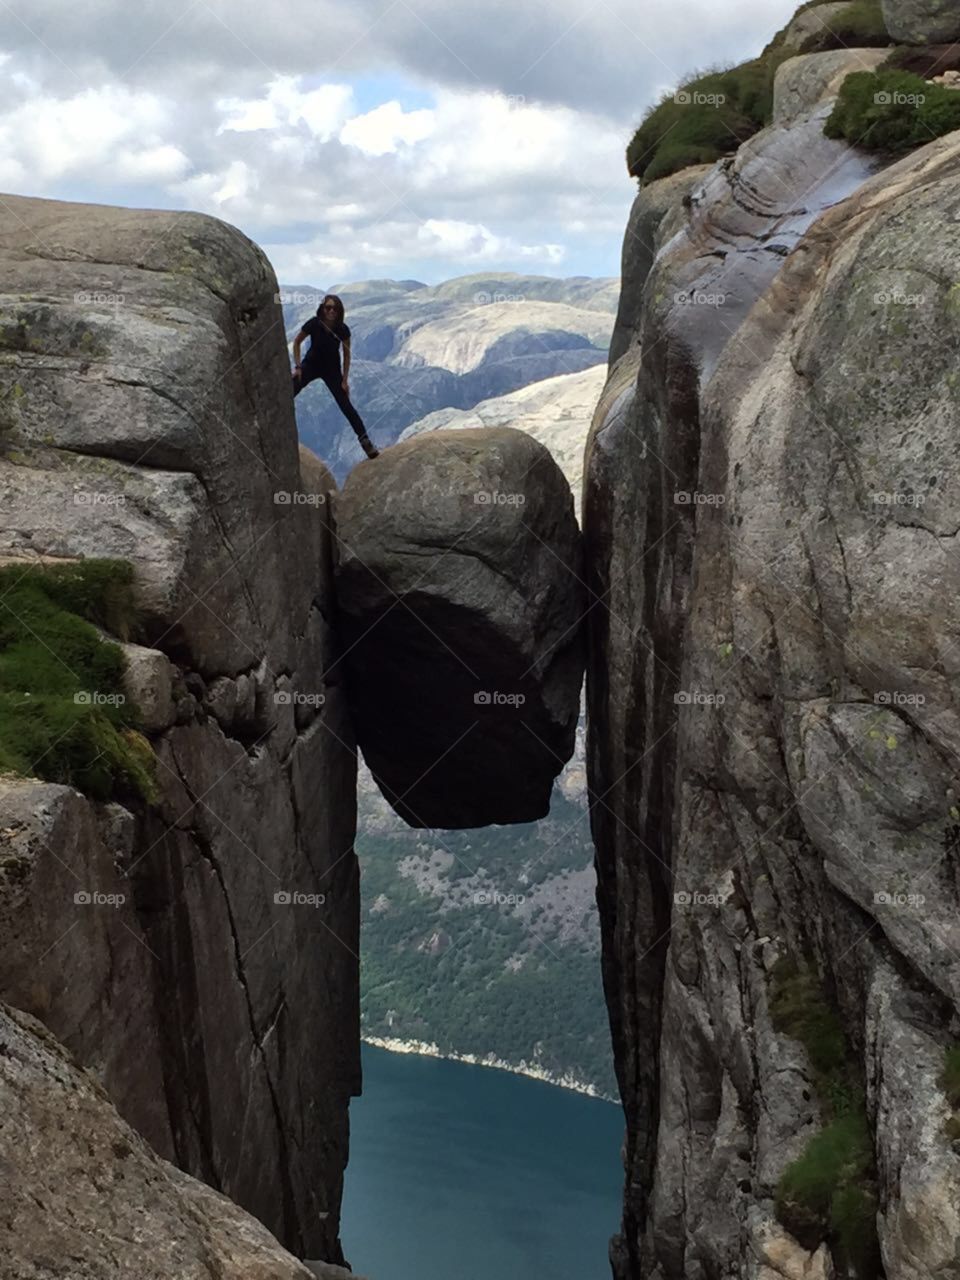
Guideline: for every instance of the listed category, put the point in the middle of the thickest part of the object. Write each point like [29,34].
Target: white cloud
[382,129]
[322,110]
[90,132]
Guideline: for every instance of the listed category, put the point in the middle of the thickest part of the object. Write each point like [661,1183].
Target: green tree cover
[474,977]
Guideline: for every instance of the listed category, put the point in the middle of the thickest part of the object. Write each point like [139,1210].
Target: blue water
[466,1173]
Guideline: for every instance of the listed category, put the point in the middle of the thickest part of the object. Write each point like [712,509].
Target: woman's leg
[334,382]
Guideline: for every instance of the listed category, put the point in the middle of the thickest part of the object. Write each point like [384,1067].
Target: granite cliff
[198,953]
[770,517]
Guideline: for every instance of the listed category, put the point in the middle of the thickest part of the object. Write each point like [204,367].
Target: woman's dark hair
[332,297]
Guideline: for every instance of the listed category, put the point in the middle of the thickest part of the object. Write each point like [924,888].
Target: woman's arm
[346,358]
[296,348]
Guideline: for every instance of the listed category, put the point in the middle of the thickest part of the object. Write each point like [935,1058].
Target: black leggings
[334,380]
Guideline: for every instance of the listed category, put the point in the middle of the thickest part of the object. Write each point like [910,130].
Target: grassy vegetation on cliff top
[713,112]
[64,716]
[892,110]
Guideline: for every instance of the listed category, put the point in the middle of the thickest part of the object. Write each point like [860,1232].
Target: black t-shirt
[324,350]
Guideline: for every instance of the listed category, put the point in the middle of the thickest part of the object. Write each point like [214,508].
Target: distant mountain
[556,411]
[419,348]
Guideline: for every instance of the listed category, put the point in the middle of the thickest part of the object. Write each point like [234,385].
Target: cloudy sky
[403,138]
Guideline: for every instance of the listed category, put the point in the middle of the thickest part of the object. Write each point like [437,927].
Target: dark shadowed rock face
[146,414]
[460,595]
[771,511]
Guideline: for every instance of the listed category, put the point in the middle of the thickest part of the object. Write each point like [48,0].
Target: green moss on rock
[891,110]
[829,1192]
[64,715]
[859,26]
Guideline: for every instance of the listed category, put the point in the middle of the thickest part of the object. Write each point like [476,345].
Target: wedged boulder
[922,21]
[85,1198]
[461,599]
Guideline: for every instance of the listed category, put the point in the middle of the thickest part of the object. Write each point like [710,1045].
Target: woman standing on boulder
[327,331]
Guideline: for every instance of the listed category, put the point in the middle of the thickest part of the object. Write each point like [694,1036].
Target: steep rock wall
[769,520]
[147,416]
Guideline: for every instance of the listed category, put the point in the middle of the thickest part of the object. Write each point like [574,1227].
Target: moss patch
[715,111]
[708,117]
[891,110]
[859,26]
[829,1192]
[64,716]
[950,1084]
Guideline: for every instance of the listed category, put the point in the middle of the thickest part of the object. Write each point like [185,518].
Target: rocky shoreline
[427,1049]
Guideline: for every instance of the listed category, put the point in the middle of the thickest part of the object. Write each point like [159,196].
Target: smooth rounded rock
[461,601]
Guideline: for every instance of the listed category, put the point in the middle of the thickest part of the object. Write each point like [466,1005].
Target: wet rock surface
[459,582]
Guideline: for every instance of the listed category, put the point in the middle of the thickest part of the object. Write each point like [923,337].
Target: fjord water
[464,1173]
